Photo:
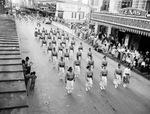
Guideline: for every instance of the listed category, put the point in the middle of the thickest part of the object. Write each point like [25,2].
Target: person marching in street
[54,57]
[51,32]
[43,32]
[66,56]
[89,78]
[77,67]
[36,33]
[71,50]
[104,62]
[126,76]
[63,34]
[59,39]
[49,38]
[73,42]
[58,33]
[54,42]
[79,54]
[89,54]
[103,78]
[91,63]
[67,40]
[64,42]
[69,80]
[46,35]
[60,51]
[81,48]
[117,76]
[49,51]
[33,78]
[44,45]
[61,68]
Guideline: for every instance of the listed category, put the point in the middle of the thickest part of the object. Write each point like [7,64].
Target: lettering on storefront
[133,12]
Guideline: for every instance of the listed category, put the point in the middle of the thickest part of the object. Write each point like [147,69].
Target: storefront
[130,28]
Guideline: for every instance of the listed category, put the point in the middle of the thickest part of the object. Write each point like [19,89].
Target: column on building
[100,3]
[135,3]
[109,30]
[117,5]
[112,6]
[142,4]
[96,28]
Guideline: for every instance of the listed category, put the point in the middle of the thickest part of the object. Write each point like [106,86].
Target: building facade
[72,11]
[126,21]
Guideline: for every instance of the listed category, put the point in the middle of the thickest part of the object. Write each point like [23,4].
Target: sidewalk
[70,31]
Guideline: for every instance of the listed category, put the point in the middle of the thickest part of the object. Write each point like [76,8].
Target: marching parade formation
[60,48]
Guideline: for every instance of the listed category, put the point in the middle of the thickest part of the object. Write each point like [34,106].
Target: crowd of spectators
[139,61]
[111,47]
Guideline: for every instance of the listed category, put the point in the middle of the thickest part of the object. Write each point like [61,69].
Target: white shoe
[116,86]
[86,89]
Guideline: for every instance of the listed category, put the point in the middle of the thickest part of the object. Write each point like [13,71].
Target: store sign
[66,7]
[133,12]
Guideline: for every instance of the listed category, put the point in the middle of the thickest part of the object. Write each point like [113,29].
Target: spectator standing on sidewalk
[33,78]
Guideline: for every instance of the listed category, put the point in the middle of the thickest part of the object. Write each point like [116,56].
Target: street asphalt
[50,96]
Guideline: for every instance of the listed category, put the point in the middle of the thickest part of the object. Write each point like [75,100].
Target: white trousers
[89,82]
[117,80]
[77,70]
[103,81]
[70,85]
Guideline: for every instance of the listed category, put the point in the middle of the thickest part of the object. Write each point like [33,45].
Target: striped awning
[140,32]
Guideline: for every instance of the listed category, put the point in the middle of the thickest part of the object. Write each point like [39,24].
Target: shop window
[126,3]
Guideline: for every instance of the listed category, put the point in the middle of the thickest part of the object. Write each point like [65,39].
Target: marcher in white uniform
[70,79]
[66,55]
[54,57]
[60,50]
[104,62]
[49,51]
[80,48]
[54,42]
[44,45]
[67,40]
[118,76]
[61,68]
[126,76]
[103,78]
[89,54]
[89,78]
[79,54]
[77,67]
[71,50]
[91,63]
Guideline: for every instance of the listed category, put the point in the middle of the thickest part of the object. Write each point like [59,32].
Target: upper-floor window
[105,5]
[148,6]
[126,3]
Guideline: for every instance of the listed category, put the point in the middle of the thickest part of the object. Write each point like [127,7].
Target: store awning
[140,32]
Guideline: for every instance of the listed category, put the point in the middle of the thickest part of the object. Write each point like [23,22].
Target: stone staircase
[13,96]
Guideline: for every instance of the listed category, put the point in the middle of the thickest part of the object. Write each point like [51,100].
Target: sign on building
[133,12]
[66,7]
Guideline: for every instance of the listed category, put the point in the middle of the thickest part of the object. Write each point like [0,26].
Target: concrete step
[8,40]
[10,61]
[11,76]
[10,43]
[11,68]
[13,100]
[12,86]
[5,57]
[15,111]
[9,52]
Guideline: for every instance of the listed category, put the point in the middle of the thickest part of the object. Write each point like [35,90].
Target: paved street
[50,96]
